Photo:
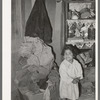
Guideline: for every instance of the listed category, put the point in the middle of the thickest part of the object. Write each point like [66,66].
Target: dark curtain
[38,23]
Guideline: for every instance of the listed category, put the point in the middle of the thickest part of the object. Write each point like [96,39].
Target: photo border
[98,49]
[0,49]
[5,78]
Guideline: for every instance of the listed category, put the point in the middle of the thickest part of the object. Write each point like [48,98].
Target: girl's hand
[75,81]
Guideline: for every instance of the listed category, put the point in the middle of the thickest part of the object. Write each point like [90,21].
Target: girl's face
[68,55]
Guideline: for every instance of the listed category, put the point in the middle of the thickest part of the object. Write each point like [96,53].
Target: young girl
[70,73]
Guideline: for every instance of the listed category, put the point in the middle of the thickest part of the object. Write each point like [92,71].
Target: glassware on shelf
[91,32]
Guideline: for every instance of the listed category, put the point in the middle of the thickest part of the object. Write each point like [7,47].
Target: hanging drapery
[38,23]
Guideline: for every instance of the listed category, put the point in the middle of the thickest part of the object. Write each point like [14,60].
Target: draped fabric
[38,23]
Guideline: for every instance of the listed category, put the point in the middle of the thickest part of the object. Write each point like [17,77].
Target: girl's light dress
[68,72]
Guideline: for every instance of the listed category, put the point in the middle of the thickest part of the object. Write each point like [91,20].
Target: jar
[91,32]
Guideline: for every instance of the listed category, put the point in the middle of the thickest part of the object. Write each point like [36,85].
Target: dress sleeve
[64,75]
[80,71]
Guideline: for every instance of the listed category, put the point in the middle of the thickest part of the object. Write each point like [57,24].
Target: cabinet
[79,24]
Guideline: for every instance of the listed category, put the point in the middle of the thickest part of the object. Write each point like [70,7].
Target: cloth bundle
[37,60]
[54,76]
[39,54]
[27,81]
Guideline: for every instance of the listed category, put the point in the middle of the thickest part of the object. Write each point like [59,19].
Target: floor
[87,97]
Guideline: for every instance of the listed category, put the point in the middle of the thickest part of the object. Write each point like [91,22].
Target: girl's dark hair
[72,48]
[68,47]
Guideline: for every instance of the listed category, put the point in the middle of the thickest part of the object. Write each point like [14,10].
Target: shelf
[76,28]
[87,44]
[80,41]
[81,19]
[79,1]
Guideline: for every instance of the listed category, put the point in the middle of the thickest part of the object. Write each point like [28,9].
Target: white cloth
[46,94]
[33,60]
[47,91]
[68,72]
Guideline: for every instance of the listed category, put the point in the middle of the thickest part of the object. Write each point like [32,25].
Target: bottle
[91,32]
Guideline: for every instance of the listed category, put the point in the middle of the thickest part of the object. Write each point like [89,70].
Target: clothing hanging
[38,23]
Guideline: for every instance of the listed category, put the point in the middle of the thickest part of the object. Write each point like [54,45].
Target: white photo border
[6,50]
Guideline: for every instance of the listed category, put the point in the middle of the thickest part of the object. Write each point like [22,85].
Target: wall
[17,36]
[20,13]
[55,11]
[17,29]
[28,7]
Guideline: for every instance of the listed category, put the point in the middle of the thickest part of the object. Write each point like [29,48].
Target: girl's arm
[80,71]
[64,75]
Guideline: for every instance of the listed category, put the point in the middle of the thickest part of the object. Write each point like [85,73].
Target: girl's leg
[64,99]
